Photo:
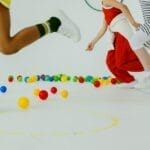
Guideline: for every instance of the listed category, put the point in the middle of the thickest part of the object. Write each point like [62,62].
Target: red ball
[10,79]
[97,83]
[43,94]
[113,80]
[81,79]
[53,90]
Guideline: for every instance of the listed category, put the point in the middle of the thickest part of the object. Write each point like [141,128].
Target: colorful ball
[10,78]
[19,78]
[51,78]
[36,92]
[43,94]
[23,102]
[56,78]
[74,79]
[64,78]
[53,90]
[26,79]
[68,78]
[89,78]
[64,93]
[113,80]
[81,79]
[3,89]
[32,79]
[42,77]
[97,84]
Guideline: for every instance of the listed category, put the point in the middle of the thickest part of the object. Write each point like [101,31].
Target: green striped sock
[49,26]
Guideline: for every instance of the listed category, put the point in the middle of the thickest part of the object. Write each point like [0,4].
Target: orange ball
[36,92]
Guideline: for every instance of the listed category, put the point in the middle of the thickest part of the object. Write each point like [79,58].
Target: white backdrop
[55,54]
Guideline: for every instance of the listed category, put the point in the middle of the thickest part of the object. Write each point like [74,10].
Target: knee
[7,48]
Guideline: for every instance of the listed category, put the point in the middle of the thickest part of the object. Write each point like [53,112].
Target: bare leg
[61,24]
[10,45]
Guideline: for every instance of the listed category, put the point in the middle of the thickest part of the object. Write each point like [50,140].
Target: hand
[90,46]
[136,25]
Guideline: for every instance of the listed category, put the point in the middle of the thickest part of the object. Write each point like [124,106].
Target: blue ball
[3,89]
[51,78]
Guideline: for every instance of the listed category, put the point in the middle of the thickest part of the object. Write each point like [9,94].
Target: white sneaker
[130,85]
[143,84]
[68,28]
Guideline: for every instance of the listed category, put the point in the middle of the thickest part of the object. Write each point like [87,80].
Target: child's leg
[9,45]
[137,40]
[126,59]
[123,59]
[137,43]
[120,74]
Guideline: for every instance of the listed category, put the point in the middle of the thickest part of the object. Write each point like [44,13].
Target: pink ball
[43,94]
[53,90]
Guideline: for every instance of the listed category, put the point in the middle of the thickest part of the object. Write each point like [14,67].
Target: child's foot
[68,28]
[130,85]
[143,84]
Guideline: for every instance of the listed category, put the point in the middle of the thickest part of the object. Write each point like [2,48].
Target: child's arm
[99,35]
[124,9]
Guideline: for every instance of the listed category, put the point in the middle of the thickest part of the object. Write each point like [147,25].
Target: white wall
[55,54]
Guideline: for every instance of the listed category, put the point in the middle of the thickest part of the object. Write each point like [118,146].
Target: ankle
[54,24]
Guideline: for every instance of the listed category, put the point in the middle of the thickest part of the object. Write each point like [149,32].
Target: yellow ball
[36,92]
[32,79]
[64,93]
[23,102]
[64,78]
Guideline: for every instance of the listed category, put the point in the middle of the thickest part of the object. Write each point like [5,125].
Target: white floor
[107,118]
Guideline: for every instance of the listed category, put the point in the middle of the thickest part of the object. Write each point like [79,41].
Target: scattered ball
[53,90]
[43,94]
[113,80]
[64,78]
[64,93]
[23,102]
[19,78]
[10,78]
[97,83]
[32,79]
[3,89]
[36,92]
[74,79]
[81,79]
